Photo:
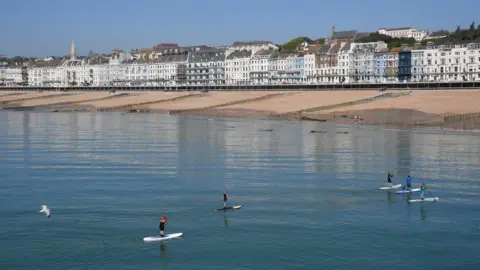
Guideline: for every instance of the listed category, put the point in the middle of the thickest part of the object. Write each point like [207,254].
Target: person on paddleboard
[423,188]
[409,182]
[225,198]
[390,175]
[163,221]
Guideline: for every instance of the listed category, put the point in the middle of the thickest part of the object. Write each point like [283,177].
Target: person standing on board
[225,198]
[423,188]
[390,175]
[409,182]
[163,221]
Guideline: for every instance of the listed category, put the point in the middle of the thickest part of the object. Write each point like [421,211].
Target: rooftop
[396,29]
[240,54]
[351,34]
[250,43]
[206,55]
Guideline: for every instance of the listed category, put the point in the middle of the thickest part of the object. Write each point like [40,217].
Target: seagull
[45,210]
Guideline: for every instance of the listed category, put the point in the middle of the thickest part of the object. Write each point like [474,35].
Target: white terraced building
[452,63]
[287,68]
[254,64]
[417,66]
[206,67]
[13,76]
[404,32]
[345,62]
[3,73]
[363,60]
[260,66]
[237,68]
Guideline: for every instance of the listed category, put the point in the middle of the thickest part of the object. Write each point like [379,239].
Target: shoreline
[456,110]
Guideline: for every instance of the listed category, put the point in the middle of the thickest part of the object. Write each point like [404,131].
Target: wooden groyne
[230,103]
[66,103]
[459,118]
[136,104]
[339,105]
[19,108]
[37,98]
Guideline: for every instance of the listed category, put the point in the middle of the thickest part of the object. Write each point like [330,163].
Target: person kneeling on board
[409,182]
[423,188]
[390,175]
[225,199]
[163,221]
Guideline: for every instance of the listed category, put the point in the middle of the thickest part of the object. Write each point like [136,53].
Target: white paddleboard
[434,199]
[157,238]
[408,191]
[392,187]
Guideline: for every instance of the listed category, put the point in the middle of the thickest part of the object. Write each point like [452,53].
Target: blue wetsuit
[409,182]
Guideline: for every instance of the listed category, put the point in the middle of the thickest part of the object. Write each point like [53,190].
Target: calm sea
[309,200]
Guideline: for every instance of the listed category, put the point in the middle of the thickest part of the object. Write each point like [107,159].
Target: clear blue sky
[47,27]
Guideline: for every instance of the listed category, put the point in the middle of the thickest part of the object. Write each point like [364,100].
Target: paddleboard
[408,191]
[157,238]
[434,199]
[392,187]
[236,207]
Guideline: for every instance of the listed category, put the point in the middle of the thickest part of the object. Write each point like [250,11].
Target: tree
[472,26]
[17,59]
[293,44]
[391,42]
[442,32]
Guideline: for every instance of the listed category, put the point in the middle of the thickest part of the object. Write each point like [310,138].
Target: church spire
[73,51]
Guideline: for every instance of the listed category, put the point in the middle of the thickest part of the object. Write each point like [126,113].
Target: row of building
[342,59]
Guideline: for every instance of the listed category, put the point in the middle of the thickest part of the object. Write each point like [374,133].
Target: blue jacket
[409,180]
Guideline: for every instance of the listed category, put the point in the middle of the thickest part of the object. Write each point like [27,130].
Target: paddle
[434,200]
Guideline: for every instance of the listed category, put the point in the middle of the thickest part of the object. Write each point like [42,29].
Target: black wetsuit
[390,178]
[162,227]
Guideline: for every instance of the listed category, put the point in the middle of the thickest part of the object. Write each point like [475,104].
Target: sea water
[309,200]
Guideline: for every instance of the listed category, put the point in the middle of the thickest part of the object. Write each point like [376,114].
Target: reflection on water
[423,213]
[225,221]
[163,255]
[163,248]
[408,196]
[390,195]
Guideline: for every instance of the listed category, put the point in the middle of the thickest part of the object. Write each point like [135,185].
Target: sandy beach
[436,102]
[25,95]
[354,107]
[209,99]
[133,97]
[303,100]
